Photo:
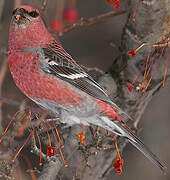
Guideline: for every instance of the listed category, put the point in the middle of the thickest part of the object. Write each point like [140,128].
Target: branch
[87,22]
[44,5]
[1,7]
[3,71]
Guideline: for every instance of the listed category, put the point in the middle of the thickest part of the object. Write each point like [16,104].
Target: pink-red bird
[48,75]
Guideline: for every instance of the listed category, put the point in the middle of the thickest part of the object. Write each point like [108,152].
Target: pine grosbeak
[48,75]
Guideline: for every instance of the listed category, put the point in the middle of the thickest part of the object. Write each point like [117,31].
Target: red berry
[132,53]
[110,1]
[71,15]
[51,151]
[116,4]
[118,164]
[56,25]
[129,86]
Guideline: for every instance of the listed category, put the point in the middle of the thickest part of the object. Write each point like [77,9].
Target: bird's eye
[20,10]
[14,11]
[33,14]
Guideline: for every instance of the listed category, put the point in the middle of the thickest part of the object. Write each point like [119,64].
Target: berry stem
[61,144]
[20,149]
[134,13]
[49,139]
[40,162]
[147,73]
[6,129]
[166,68]
[59,9]
[72,3]
[144,65]
[59,147]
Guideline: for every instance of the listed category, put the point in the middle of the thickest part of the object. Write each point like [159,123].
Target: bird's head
[24,15]
[27,28]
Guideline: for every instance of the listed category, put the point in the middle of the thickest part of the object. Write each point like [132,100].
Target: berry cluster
[64,15]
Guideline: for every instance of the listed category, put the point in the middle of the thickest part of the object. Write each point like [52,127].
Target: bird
[49,76]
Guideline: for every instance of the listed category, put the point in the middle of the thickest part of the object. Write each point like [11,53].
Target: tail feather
[134,140]
[119,129]
[121,113]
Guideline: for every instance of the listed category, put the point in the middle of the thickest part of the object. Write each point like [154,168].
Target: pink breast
[36,84]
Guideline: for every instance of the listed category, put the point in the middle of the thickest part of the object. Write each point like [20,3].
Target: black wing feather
[64,68]
[60,63]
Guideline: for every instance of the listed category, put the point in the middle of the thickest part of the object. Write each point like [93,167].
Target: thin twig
[44,4]
[36,150]
[1,7]
[91,21]
[3,71]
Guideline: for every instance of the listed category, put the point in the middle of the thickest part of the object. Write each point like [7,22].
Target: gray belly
[71,115]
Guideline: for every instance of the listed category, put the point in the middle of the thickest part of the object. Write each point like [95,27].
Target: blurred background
[97,46]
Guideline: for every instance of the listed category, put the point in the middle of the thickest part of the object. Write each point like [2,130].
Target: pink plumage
[48,75]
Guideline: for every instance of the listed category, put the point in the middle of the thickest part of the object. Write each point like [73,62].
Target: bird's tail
[119,129]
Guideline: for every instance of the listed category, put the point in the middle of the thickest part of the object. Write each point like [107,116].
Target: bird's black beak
[19,16]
